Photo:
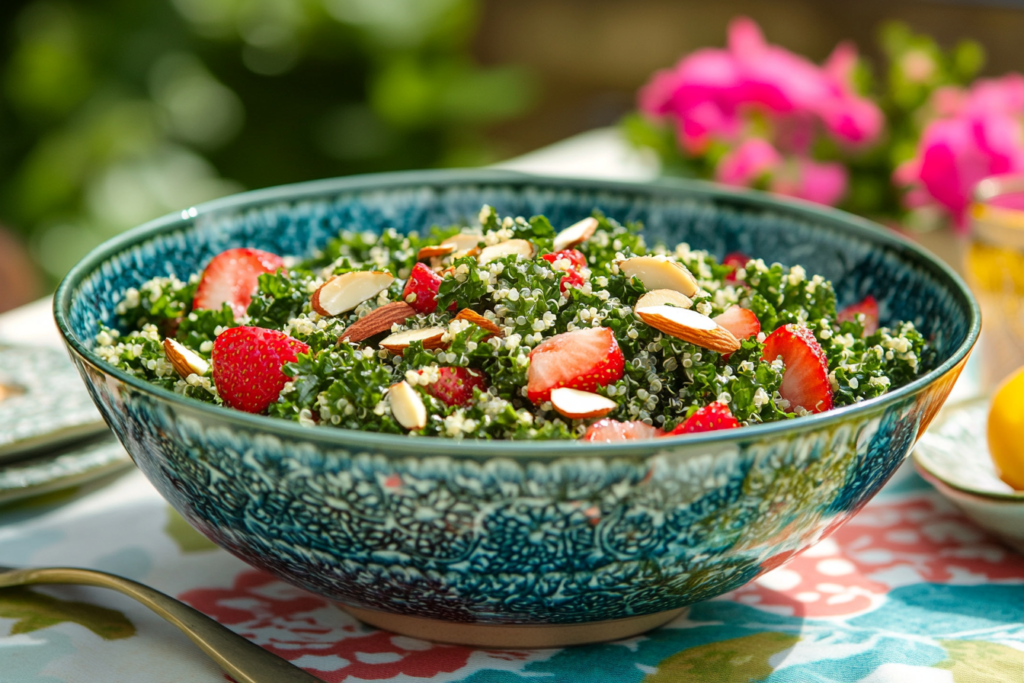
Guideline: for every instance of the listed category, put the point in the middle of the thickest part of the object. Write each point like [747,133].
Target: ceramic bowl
[512,543]
[954,457]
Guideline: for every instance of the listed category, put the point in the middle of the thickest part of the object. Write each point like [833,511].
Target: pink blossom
[955,154]
[824,183]
[997,96]
[847,115]
[743,165]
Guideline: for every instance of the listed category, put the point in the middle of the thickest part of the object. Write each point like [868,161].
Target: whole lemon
[1006,430]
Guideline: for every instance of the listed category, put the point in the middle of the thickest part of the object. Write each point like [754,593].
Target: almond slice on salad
[660,297]
[344,292]
[580,405]
[657,272]
[506,248]
[398,342]
[185,361]
[407,406]
[377,321]
[577,233]
[480,321]
[690,326]
[435,251]
[466,244]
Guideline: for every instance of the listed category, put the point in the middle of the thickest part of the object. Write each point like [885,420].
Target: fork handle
[245,661]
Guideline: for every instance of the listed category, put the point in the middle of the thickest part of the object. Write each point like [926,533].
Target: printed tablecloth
[909,591]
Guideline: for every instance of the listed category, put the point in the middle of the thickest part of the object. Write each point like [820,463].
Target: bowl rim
[347,439]
[934,477]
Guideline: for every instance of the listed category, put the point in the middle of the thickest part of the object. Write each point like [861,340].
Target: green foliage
[115,113]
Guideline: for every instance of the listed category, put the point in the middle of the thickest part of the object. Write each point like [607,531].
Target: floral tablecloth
[907,592]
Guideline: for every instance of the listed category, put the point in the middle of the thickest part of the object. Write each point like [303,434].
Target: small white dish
[953,456]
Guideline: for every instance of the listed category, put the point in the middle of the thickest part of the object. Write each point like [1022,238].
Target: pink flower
[955,154]
[848,116]
[743,165]
[997,96]
[824,183]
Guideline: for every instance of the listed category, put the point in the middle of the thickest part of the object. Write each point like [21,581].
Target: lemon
[1006,430]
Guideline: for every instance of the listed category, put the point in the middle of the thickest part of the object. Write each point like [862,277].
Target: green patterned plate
[43,403]
[62,469]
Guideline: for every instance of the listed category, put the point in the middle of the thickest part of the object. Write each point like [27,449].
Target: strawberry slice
[740,321]
[735,260]
[869,307]
[573,256]
[572,278]
[231,278]
[424,283]
[610,431]
[582,359]
[805,379]
[455,385]
[710,418]
[247,364]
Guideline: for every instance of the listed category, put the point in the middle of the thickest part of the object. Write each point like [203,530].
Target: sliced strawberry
[740,321]
[735,260]
[231,278]
[455,386]
[583,359]
[572,278]
[805,379]
[424,283]
[710,418]
[247,364]
[610,431]
[869,307]
[573,256]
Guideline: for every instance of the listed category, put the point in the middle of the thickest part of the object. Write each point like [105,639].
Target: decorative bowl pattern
[512,533]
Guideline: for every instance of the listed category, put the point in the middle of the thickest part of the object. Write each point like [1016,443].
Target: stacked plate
[51,436]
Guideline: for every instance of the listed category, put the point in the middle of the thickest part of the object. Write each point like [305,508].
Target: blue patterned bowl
[511,543]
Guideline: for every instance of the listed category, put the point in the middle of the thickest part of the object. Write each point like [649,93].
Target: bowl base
[513,635]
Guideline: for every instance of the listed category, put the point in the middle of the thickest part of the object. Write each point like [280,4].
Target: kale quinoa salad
[510,329]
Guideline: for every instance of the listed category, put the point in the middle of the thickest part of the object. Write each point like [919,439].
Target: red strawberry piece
[572,278]
[610,431]
[455,385]
[869,307]
[424,283]
[583,359]
[574,256]
[740,321]
[247,364]
[710,418]
[805,379]
[231,278]
[736,260]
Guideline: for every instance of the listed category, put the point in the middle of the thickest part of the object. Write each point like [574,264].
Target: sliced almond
[398,342]
[577,233]
[346,291]
[690,326]
[507,248]
[580,405]
[407,406]
[660,297]
[435,251]
[466,244]
[479,321]
[657,272]
[377,321]
[185,361]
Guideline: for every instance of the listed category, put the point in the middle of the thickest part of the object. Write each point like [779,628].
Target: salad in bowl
[511,329]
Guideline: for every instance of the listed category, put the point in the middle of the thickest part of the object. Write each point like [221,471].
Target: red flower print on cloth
[887,545]
[312,633]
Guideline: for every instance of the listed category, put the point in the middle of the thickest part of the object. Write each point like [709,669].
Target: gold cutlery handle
[245,661]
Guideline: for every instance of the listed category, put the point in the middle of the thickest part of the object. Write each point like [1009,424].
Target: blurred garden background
[113,112]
